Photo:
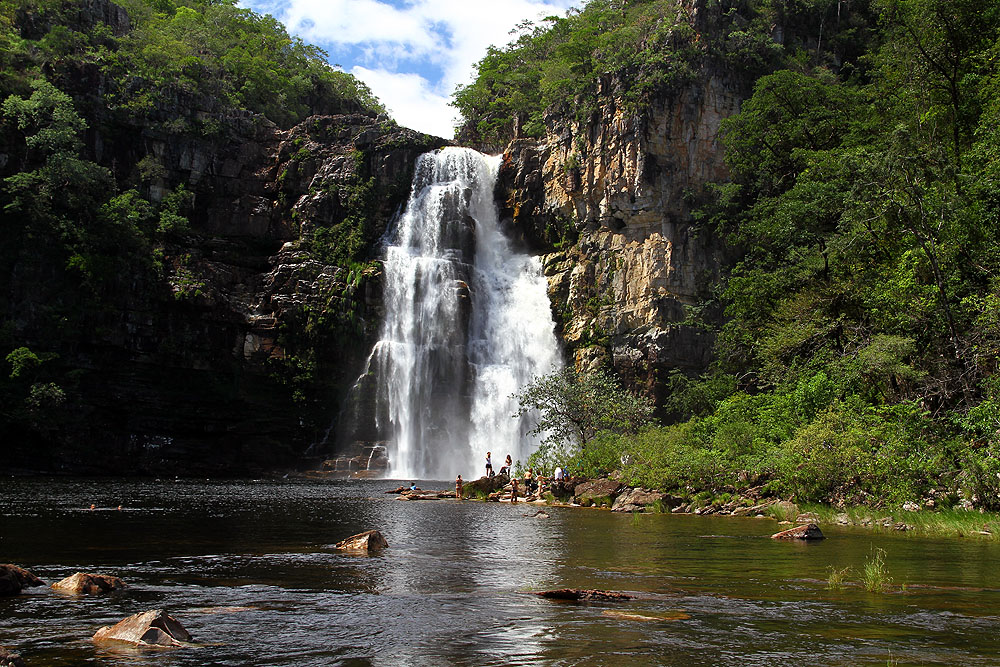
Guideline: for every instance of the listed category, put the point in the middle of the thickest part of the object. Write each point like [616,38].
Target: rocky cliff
[224,347]
[609,201]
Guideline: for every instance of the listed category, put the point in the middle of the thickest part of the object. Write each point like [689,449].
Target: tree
[574,406]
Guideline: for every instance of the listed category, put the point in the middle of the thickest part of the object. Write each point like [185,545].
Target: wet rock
[599,492]
[83,583]
[583,594]
[148,628]
[637,500]
[10,659]
[14,579]
[809,531]
[367,541]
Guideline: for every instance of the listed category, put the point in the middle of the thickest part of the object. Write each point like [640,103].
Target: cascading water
[467,324]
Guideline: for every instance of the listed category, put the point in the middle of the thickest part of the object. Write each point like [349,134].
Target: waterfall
[467,324]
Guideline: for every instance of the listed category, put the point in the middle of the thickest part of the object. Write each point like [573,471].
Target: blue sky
[411,53]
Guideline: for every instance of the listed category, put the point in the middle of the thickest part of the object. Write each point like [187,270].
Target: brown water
[248,568]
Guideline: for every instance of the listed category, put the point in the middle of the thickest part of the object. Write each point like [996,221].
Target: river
[248,567]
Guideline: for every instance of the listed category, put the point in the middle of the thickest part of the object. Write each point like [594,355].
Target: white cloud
[450,35]
[411,100]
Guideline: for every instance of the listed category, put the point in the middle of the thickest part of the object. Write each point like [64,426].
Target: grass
[875,576]
[783,511]
[636,519]
[934,523]
[835,580]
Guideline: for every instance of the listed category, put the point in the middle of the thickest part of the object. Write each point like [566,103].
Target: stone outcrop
[600,492]
[370,540]
[610,199]
[14,579]
[484,486]
[808,531]
[148,628]
[83,583]
[638,500]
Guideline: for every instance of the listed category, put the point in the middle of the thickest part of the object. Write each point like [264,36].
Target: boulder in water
[83,583]
[369,540]
[9,659]
[808,531]
[148,628]
[14,579]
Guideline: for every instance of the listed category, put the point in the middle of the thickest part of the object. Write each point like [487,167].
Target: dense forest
[124,131]
[857,359]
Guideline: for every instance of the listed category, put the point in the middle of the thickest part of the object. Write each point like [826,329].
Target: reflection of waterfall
[467,323]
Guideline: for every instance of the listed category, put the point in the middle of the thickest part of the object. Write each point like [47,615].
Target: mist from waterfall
[467,324]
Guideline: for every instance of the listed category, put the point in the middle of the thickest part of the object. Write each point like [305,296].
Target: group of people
[533,483]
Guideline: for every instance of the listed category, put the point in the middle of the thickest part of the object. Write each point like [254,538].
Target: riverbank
[604,493]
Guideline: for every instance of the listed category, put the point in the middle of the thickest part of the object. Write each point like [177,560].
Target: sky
[411,53]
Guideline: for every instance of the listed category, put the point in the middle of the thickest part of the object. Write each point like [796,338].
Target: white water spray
[467,324]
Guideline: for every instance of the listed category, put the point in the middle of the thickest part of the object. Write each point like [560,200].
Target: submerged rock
[13,579]
[148,628]
[83,583]
[583,594]
[809,531]
[369,540]
[9,659]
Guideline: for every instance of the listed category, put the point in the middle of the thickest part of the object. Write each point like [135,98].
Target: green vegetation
[874,574]
[858,361]
[640,51]
[573,408]
[835,580]
[98,221]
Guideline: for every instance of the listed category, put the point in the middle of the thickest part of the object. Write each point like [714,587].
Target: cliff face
[609,200]
[227,352]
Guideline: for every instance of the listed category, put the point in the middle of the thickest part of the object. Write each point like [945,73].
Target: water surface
[249,569]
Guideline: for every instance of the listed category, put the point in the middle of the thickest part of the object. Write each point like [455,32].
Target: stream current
[249,569]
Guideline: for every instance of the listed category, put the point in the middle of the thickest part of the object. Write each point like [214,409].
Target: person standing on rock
[489,464]
[458,487]
[513,490]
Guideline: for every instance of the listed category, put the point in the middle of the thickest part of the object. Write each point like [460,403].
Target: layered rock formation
[609,200]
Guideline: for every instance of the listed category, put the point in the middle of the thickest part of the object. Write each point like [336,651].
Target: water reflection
[249,569]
